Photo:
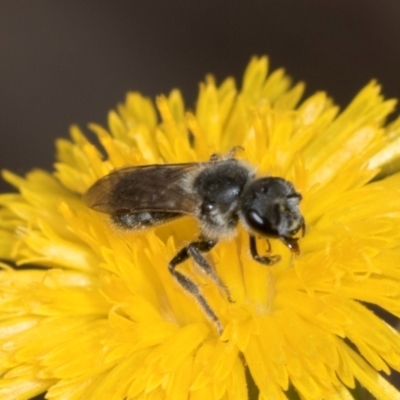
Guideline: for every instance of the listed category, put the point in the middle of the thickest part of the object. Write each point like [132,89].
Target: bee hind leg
[192,288]
[195,250]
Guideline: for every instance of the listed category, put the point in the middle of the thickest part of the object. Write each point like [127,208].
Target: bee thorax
[218,224]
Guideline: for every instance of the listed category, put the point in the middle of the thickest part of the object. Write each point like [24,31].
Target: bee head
[270,207]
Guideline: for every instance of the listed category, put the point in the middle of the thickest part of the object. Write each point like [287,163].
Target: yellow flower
[90,312]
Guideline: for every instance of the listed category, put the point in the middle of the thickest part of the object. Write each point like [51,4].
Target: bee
[219,193]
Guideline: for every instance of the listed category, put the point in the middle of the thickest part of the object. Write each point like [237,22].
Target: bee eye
[260,224]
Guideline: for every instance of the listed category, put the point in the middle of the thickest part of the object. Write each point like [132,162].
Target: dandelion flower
[92,312]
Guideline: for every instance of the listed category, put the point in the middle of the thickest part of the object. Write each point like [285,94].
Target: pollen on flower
[89,310]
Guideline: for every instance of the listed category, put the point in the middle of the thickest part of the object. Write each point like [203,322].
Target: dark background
[64,62]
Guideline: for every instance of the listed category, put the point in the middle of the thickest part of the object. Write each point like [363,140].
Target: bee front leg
[266,260]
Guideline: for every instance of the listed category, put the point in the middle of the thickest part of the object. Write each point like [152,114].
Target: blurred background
[64,62]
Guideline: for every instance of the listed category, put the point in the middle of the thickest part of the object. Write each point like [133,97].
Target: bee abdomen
[143,220]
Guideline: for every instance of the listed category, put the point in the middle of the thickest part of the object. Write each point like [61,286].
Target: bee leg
[215,157]
[192,288]
[266,260]
[231,154]
[195,250]
[233,151]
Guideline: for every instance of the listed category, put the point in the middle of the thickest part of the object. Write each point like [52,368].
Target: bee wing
[144,188]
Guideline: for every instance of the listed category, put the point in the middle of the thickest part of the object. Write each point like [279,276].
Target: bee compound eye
[259,224]
[254,218]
